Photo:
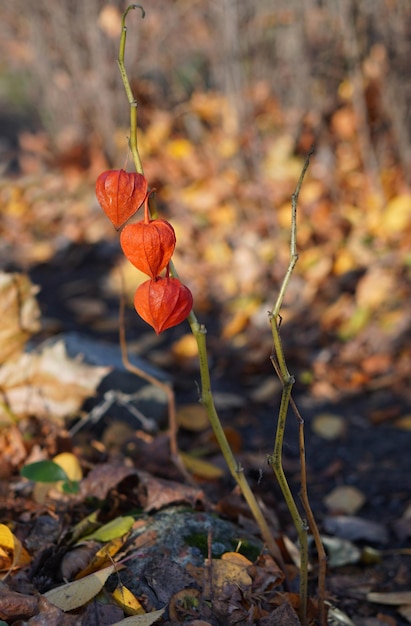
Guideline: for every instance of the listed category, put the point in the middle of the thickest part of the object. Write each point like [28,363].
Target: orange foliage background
[231,96]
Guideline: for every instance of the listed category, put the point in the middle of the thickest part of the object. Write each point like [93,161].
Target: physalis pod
[149,245]
[163,302]
[120,194]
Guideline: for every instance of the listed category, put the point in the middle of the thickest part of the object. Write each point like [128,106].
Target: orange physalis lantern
[163,302]
[120,194]
[149,245]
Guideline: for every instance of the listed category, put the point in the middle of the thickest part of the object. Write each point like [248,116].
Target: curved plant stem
[322,556]
[197,329]
[280,365]
[131,100]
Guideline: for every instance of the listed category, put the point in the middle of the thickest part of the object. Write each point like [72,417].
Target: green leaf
[116,528]
[44,472]
[72,486]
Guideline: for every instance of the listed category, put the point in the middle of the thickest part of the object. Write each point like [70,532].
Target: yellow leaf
[202,469]
[157,133]
[73,595]
[225,571]
[109,21]
[193,417]
[227,147]
[127,601]
[403,422]
[70,464]
[185,347]
[179,148]
[12,552]
[396,216]
[6,538]
[117,527]
[19,314]
[375,288]
[344,261]
[236,559]
[237,323]
[102,557]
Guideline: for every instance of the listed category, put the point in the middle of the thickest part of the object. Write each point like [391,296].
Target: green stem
[280,365]
[130,97]
[199,331]
[276,463]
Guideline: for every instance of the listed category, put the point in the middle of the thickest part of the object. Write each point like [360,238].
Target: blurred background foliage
[232,94]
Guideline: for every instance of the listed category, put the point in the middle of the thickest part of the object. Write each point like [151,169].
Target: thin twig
[321,554]
[199,333]
[131,100]
[287,380]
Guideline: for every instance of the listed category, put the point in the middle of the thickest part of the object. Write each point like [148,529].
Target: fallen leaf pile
[41,383]
[351,287]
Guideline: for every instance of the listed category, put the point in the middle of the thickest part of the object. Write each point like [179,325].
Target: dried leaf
[12,552]
[375,288]
[340,551]
[394,598]
[102,557]
[128,601]
[236,558]
[73,595]
[396,216]
[345,499]
[356,528]
[405,612]
[141,620]
[201,468]
[338,618]
[193,417]
[47,384]
[329,426]
[19,314]
[226,571]
[77,561]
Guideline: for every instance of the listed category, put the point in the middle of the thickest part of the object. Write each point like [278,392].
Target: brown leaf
[284,615]
[15,605]
[159,493]
[103,478]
